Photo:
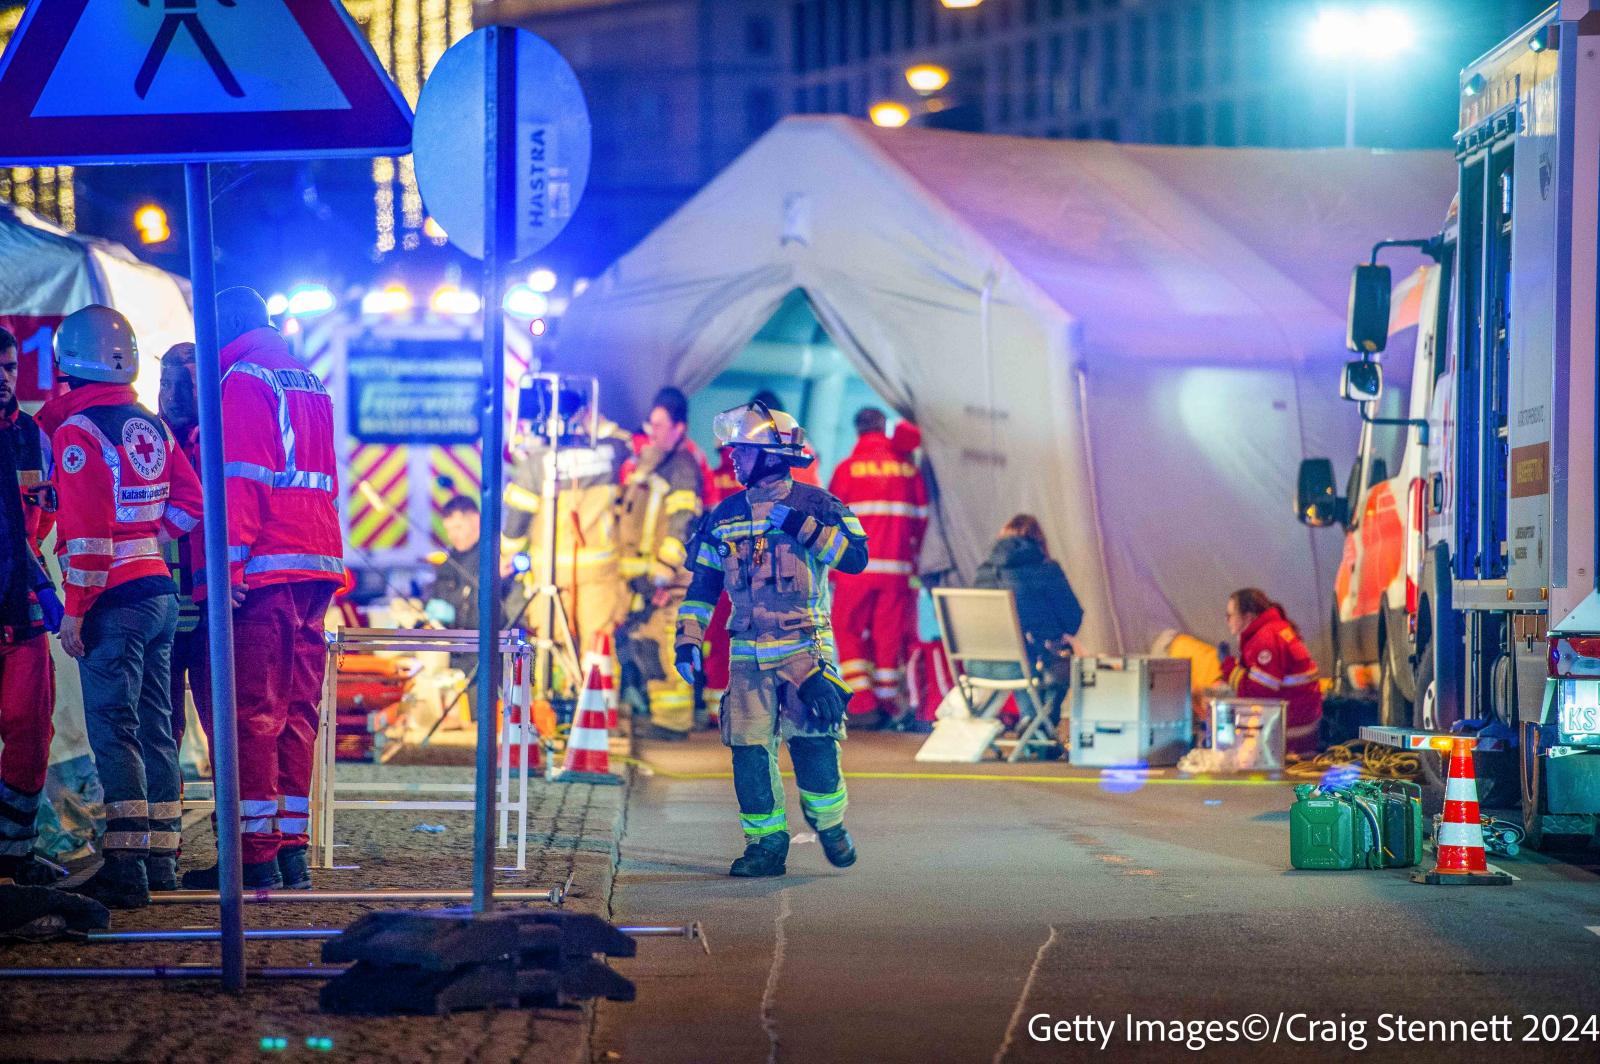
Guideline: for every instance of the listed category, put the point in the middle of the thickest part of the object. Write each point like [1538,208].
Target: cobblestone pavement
[573,829]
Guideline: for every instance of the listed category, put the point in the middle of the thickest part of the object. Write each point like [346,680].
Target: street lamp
[889,114]
[1352,35]
[927,78]
[151,221]
[961,3]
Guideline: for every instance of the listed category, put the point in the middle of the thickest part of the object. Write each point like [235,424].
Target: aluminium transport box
[1130,710]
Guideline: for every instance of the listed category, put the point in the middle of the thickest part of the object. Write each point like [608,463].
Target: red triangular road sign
[108,81]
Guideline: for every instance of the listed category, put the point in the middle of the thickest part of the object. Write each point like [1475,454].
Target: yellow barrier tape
[1114,775]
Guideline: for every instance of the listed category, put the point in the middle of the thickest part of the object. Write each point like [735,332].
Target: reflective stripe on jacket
[885,490]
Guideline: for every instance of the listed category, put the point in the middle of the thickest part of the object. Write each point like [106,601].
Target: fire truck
[1476,555]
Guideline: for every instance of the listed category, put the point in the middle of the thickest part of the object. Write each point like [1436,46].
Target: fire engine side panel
[1532,342]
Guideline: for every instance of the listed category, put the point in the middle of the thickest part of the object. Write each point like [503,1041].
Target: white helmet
[97,344]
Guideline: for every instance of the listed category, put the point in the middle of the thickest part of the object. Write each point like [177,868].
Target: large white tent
[1136,343]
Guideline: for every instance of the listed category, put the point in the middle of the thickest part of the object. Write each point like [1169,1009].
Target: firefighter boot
[763,857]
[294,868]
[837,846]
[30,870]
[259,875]
[162,872]
[119,884]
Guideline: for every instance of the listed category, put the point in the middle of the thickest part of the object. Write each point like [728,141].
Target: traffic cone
[1461,860]
[601,658]
[520,719]
[588,757]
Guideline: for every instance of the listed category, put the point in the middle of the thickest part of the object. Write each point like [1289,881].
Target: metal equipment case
[1131,710]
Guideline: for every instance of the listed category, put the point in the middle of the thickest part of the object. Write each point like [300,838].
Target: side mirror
[1362,381]
[1368,324]
[1317,502]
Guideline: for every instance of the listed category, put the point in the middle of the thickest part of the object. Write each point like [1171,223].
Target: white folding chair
[979,626]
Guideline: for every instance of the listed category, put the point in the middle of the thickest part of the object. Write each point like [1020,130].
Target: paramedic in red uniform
[1274,663]
[875,613]
[123,485]
[285,556]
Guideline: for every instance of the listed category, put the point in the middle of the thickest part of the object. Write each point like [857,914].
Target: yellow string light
[380,34]
[22,186]
[408,55]
[460,19]
[435,29]
[66,199]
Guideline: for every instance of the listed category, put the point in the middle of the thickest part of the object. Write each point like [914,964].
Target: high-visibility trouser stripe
[887,675]
[888,565]
[166,810]
[1265,679]
[249,807]
[293,825]
[1461,834]
[1461,790]
[126,840]
[294,803]
[137,807]
[164,842]
[758,824]
[885,692]
[888,509]
[257,825]
[822,803]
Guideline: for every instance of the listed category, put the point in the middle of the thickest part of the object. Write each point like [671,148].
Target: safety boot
[260,875]
[120,883]
[837,846]
[30,870]
[763,857]
[294,868]
[162,872]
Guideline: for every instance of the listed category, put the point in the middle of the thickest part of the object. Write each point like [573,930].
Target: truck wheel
[1425,711]
[1341,674]
[1394,709]
[1546,832]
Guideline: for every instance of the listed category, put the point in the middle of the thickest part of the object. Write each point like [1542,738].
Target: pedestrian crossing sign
[107,81]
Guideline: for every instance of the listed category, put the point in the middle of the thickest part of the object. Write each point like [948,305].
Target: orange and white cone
[601,658]
[588,757]
[1461,859]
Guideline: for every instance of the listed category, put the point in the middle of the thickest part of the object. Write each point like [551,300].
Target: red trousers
[874,623]
[27,702]
[279,656]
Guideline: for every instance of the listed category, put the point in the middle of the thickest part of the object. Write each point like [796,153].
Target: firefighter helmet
[97,344]
[754,425]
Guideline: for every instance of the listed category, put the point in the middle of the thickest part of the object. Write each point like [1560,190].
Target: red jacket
[121,482]
[887,493]
[1274,663]
[278,461]
[32,447]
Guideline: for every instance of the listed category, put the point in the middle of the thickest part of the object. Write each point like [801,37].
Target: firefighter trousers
[874,622]
[759,787]
[280,658]
[27,701]
[671,700]
[127,710]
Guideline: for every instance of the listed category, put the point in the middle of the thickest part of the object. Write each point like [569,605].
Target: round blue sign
[553,143]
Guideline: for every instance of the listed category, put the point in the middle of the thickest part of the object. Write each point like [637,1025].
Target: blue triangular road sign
[106,81]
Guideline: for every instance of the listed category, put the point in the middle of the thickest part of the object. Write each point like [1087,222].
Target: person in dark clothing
[453,599]
[1048,610]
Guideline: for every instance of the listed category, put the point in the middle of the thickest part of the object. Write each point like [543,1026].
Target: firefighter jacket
[586,501]
[278,464]
[775,577]
[121,481]
[885,490]
[660,504]
[29,450]
[1274,663]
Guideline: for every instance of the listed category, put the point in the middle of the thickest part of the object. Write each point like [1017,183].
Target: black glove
[686,659]
[783,519]
[825,695]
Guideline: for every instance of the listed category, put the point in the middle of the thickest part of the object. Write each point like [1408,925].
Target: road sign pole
[219,602]
[499,238]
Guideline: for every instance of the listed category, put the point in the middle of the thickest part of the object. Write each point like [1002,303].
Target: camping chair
[980,626]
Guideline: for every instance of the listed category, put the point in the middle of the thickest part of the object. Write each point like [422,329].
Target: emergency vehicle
[1496,492]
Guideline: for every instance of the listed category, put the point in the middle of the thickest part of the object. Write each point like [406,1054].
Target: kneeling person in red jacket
[1274,663]
[286,559]
[122,484]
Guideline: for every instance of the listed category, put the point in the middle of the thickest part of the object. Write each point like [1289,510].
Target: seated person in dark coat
[1049,612]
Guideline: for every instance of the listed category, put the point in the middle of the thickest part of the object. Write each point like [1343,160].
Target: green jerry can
[1367,824]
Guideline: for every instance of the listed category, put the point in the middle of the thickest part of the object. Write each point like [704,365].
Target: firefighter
[586,571]
[121,481]
[769,548]
[285,561]
[1274,663]
[875,614]
[180,409]
[29,608]
[661,502]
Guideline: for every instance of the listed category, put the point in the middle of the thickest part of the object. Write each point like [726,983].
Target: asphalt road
[979,905]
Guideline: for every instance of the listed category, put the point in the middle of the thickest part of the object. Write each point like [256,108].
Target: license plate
[1580,708]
